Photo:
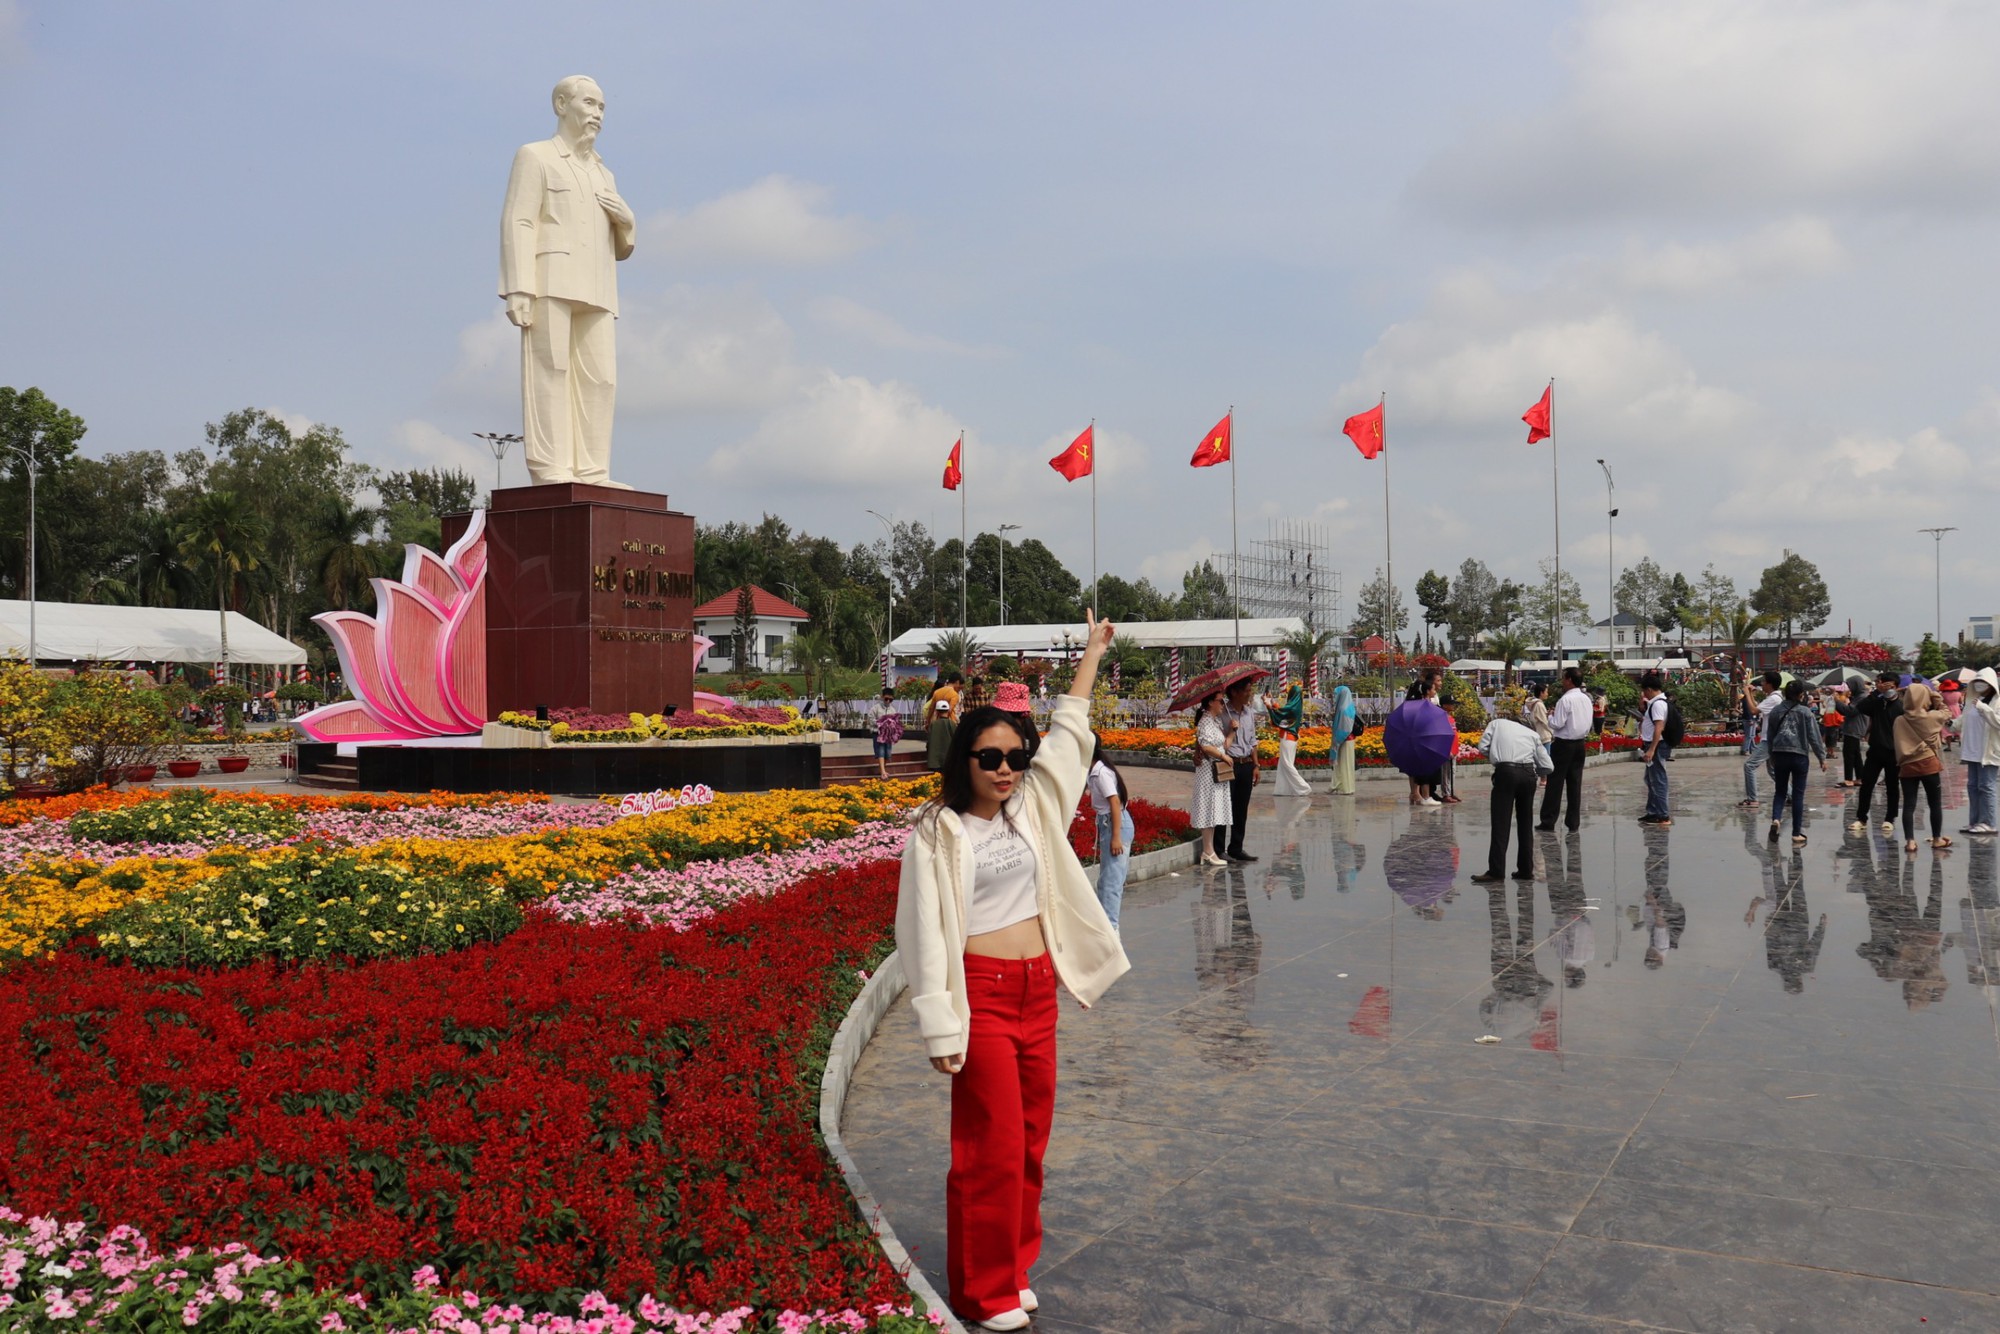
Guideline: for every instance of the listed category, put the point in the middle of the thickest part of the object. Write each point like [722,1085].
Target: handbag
[1224,771]
[1920,768]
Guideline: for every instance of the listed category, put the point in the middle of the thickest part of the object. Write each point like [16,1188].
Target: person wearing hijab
[1920,759]
[1288,717]
[1345,722]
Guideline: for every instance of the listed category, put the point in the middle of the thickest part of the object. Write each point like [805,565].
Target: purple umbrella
[1421,865]
[1419,737]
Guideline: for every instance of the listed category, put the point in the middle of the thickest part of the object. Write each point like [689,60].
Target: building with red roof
[775,623]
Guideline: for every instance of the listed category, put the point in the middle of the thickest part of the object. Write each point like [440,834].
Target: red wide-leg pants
[1001,1105]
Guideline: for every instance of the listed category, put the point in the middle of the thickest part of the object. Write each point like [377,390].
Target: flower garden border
[857,1030]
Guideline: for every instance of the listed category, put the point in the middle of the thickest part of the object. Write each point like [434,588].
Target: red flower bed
[1153,828]
[574,1107]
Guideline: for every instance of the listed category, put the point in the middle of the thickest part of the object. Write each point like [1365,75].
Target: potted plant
[140,773]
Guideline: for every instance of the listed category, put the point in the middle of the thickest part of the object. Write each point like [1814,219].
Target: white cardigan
[937,877]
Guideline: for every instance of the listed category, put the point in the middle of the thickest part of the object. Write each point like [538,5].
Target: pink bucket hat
[1012,696]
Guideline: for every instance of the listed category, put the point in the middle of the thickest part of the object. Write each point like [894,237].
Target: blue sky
[1751,241]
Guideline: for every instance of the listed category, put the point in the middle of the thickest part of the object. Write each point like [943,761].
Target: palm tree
[1743,625]
[1509,648]
[346,560]
[955,648]
[812,652]
[226,534]
[158,571]
[1307,647]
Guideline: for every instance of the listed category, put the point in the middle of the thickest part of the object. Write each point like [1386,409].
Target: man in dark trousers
[1882,707]
[1570,722]
[1241,719]
[1516,755]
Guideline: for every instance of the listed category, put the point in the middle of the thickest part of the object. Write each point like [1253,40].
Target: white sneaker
[1888,826]
[1857,827]
[1029,1302]
[1982,829]
[1014,1319]
[1430,801]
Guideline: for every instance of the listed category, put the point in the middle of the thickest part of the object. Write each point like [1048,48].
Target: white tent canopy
[89,632]
[1258,632]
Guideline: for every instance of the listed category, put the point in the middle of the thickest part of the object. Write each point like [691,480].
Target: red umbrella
[1212,680]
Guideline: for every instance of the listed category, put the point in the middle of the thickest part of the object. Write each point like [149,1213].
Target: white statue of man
[563,229]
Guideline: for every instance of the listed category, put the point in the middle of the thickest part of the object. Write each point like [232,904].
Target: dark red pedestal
[589,600]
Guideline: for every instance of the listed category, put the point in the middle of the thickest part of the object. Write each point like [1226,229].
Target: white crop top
[1003,877]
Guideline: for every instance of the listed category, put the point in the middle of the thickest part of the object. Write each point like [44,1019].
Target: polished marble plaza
[1736,1087]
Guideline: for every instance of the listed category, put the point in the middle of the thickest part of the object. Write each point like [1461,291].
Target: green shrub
[188,816]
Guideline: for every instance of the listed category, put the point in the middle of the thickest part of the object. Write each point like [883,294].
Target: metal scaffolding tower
[1289,573]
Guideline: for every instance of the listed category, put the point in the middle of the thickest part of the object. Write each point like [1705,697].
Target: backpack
[1675,729]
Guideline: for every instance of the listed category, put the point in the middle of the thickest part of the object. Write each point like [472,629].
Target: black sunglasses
[990,758]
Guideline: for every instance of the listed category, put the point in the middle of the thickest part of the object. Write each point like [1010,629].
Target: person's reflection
[1979,916]
[1287,868]
[1658,915]
[1790,950]
[1421,866]
[1514,1006]
[1906,942]
[1227,952]
[1575,934]
[1348,856]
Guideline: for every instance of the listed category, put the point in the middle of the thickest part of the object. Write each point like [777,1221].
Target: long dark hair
[955,778]
[1097,757]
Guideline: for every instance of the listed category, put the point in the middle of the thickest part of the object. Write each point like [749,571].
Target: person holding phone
[993,913]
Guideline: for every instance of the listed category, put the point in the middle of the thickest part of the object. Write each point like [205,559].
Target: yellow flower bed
[45,903]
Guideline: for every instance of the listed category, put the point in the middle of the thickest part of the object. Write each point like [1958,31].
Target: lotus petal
[409,648]
[348,720]
[357,640]
[429,574]
[461,666]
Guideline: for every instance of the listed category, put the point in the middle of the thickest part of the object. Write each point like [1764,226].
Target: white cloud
[1478,357]
[295,422]
[1861,478]
[777,221]
[425,445]
[841,430]
[13,40]
[1165,568]
[1800,247]
[847,316]
[1734,104]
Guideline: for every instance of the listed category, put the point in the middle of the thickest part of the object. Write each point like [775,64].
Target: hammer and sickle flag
[1214,447]
[1077,461]
[1365,430]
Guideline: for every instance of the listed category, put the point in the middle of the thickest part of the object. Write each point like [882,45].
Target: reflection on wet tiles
[1280,1118]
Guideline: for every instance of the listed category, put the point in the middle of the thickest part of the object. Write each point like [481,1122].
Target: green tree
[1550,606]
[812,652]
[346,561]
[1793,595]
[226,535]
[1434,596]
[1741,625]
[1307,646]
[1645,592]
[1714,598]
[955,649]
[31,425]
[1205,594]
[1930,657]
[1681,605]
[1507,648]
[1139,601]
[1474,600]
[436,491]
[1379,610]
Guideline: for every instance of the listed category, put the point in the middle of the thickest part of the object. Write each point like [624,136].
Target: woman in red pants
[993,911]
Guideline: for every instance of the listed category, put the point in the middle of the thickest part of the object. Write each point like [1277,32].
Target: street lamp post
[1005,529]
[1610,562]
[497,442]
[1937,577]
[33,467]
[888,611]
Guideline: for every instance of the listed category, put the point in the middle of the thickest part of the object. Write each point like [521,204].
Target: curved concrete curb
[863,1017]
[852,1038]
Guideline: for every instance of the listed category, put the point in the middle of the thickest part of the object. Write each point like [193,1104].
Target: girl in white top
[1108,801]
[993,912]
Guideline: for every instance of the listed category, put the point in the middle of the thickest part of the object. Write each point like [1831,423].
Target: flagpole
[1388,554]
[1093,517]
[964,553]
[1235,605]
[1555,479]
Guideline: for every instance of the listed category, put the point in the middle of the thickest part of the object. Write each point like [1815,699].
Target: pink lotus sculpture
[417,668]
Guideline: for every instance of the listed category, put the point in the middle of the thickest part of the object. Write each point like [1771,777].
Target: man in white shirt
[1517,756]
[1571,725]
[1756,746]
[1240,718]
[1654,747]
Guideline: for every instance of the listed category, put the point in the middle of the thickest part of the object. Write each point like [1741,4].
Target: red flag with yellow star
[1078,460]
[953,472]
[1214,447]
[1365,430]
